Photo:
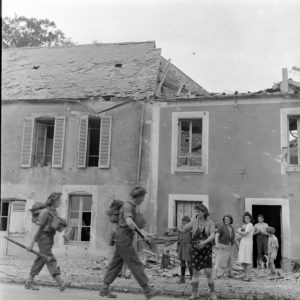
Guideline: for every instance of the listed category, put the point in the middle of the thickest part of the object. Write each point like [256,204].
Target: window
[294,149]
[290,129]
[43,142]
[189,141]
[185,208]
[80,213]
[183,205]
[94,142]
[4,214]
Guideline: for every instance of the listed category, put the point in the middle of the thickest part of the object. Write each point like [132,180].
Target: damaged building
[78,120]
[91,121]
[234,153]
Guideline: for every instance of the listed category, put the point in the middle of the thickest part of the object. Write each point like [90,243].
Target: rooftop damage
[121,70]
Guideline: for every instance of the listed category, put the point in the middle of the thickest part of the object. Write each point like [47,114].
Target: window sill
[191,170]
[292,169]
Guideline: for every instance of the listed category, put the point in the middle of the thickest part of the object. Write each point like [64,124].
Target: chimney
[284,85]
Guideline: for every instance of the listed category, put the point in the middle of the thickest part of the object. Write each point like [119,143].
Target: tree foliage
[31,32]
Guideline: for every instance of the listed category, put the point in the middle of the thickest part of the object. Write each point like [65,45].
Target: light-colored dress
[246,245]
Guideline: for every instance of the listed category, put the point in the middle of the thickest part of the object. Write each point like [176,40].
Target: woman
[246,245]
[224,243]
[203,233]
[44,235]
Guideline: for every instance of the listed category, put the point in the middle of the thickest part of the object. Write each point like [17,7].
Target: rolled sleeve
[128,211]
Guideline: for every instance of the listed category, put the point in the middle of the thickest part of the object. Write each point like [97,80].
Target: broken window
[94,142]
[80,213]
[4,214]
[294,149]
[189,143]
[44,142]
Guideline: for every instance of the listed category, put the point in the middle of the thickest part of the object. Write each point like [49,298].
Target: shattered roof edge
[199,98]
[81,45]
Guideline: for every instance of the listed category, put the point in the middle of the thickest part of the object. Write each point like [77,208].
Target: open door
[272,216]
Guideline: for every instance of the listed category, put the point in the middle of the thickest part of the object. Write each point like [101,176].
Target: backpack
[114,210]
[35,210]
[57,224]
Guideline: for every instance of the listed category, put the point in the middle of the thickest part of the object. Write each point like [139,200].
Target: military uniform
[45,242]
[125,252]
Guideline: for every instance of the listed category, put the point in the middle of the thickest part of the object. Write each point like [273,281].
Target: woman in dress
[246,245]
[203,233]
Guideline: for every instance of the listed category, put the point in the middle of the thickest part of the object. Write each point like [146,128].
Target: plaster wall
[35,184]
[243,161]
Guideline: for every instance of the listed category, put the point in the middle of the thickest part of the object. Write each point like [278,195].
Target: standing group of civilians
[195,242]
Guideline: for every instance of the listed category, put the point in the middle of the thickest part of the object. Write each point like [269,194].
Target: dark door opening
[272,216]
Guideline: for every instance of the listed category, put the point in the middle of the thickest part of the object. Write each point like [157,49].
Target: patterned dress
[201,258]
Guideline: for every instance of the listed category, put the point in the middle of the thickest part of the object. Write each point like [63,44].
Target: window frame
[29,140]
[105,140]
[8,214]
[285,114]
[79,242]
[181,198]
[176,117]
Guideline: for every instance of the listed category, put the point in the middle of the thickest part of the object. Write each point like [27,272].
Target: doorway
[272,216]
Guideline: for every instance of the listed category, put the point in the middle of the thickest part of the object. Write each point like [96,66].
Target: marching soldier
[125,252]
[47,223]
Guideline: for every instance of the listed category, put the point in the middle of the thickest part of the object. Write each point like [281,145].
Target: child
[184,249]
[272,248]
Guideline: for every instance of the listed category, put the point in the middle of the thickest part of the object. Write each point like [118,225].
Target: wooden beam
[180,89]
[163,77]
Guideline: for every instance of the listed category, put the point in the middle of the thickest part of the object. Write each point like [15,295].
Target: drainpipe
[284,85]
[140,145]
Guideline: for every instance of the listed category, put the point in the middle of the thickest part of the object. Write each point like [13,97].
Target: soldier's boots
[105,292]
[30,285]
[151,292]
[61,283]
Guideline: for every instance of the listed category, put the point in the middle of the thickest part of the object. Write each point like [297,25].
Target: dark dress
[202,258]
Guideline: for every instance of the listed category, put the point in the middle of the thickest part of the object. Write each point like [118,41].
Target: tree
[31,32]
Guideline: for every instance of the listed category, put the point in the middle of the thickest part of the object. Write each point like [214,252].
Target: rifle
[44,256]
[151,244]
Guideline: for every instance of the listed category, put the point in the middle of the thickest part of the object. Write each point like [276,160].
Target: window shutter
[26,154]
[58,142]
[105,139]
[82,141]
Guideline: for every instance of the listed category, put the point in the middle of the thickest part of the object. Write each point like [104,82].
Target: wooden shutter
[58,142]
[26,154]
[105,139]
[82,141]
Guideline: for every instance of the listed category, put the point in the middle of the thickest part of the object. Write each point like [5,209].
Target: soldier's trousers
[45,243]
[125,253]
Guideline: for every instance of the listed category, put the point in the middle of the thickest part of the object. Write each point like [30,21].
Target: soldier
[47,225]
[125,252]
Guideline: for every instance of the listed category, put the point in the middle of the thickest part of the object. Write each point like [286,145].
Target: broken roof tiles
[116,70]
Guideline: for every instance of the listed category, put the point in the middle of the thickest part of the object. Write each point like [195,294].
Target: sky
[224,45]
